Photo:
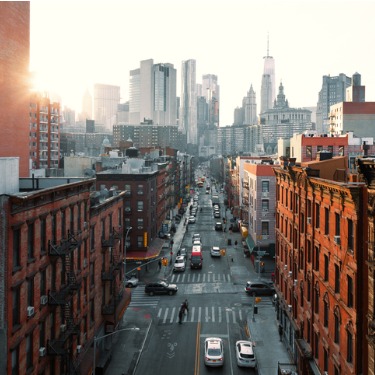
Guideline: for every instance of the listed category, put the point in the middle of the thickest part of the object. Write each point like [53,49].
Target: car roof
[214,341]
[246,346]
[216,247]
[180,257]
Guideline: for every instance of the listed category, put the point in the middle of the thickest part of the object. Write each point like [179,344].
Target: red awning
[153,251]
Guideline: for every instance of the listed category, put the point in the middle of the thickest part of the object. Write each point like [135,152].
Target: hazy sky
[75,44]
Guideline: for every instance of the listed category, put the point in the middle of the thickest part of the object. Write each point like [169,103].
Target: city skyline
[228,40]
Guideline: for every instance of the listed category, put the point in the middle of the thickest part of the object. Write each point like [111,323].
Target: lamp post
[104,336]
[125,246]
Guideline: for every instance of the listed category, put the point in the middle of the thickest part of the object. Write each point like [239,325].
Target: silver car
[245,354]
[215,251]
[179,264]
[213,351]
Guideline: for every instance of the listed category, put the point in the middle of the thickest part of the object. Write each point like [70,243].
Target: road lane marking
[213,314]
[198,349]
[172,315]
[165,315]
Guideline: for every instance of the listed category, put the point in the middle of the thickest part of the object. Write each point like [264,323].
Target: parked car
[191,219]
[215,251]
[131,281]
[196,236]
[160,287]
[179,264]
[197,242]
[260,288]
[182,252]
[213,351]
[217,215]
[245,354]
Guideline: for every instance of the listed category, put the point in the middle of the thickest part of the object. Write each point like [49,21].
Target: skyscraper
[152,94]
[106,99]
[333,91]
[211,91]
[86,113]
[14,82]
[267,94]
[188,112]
[249,106]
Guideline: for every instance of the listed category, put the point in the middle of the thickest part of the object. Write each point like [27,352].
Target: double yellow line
[197,349]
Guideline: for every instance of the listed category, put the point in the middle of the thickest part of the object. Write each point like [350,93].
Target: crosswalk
[208,314]
[140,299]
[200,277]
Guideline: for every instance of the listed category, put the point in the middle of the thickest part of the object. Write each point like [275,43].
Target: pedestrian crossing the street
[200,277]
[140,299]
[207,314]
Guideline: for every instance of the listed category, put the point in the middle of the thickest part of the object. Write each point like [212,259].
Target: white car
[213,351]
[196,237]
[179,264]
[191,219]
[131,282]
[197,242]
[245,354]
[215,251]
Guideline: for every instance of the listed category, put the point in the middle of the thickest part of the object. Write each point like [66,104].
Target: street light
[125,246]
[109,334]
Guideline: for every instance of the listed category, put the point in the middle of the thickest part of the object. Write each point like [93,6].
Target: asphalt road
[218,306]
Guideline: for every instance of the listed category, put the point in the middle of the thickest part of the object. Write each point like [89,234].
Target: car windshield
[163,283]
[179,261]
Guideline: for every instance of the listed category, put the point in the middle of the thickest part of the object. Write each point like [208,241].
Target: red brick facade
[321,278]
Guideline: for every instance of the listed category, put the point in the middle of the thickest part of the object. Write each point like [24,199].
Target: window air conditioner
[42,351]
[30,311]
[79,348]
[62,327]
[85,225]
[43,300]
[336,239]
[309,220]
[84,262]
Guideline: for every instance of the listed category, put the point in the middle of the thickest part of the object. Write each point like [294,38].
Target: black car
[160,287]
[219,226]
[259,288]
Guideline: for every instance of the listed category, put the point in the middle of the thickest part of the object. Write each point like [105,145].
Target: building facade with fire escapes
[62,258]
[321,272]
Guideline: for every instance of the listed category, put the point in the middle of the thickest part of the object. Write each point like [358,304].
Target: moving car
[182,252]
[160,287]
[215,251]
[131,281]
[196,259]
[217,215]
[218,226]
[179,264]
[213,351]
[197,242]
[196,236]
[191,219]
[259,288]
[245,354]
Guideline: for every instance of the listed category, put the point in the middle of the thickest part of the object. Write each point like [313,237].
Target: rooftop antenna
[268,46]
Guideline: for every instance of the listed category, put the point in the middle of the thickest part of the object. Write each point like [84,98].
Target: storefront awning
[153,251]
[250,243]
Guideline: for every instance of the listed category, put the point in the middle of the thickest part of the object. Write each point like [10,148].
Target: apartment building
[321,271]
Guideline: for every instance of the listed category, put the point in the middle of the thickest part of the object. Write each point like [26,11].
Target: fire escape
[110,273]
[61,345]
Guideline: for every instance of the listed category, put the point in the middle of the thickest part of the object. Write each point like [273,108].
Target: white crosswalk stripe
[139,298]
[207,314]
[201,277]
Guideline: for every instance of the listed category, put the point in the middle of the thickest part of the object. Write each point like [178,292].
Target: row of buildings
[63,245]
[312,211]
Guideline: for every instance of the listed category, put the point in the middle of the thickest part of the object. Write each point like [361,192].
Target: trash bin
[229,242]
[255,309]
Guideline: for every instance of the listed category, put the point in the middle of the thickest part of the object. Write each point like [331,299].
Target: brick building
[321,271]
[14,81]
[61,256]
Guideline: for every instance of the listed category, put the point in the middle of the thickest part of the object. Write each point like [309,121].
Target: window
[43,282]
[337,278]
[350,235]
[140,190]
[63,224]
[265,186]
[326,221]
[16,361]
[265,205]
[71,219]
[79,227]
[92,237]
[316,260]
[317,215]
[128,190]
[325,362]
[139,206]
[140,223]
[139,241]
[16,248]
[308,250]
[42,333]
[127,223]
[326,311]
[43,235]
[16,301]
[30,241]
[326,267]
[349,344]
[341,150]
[296,205]
[265,228]
[316,299]
[350,292]
[103,228]
[119,217]
[337,224]
[29,351]
[316,345]
[309,151]
[53,231]
[337,327]
[92,275]
[30,291]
